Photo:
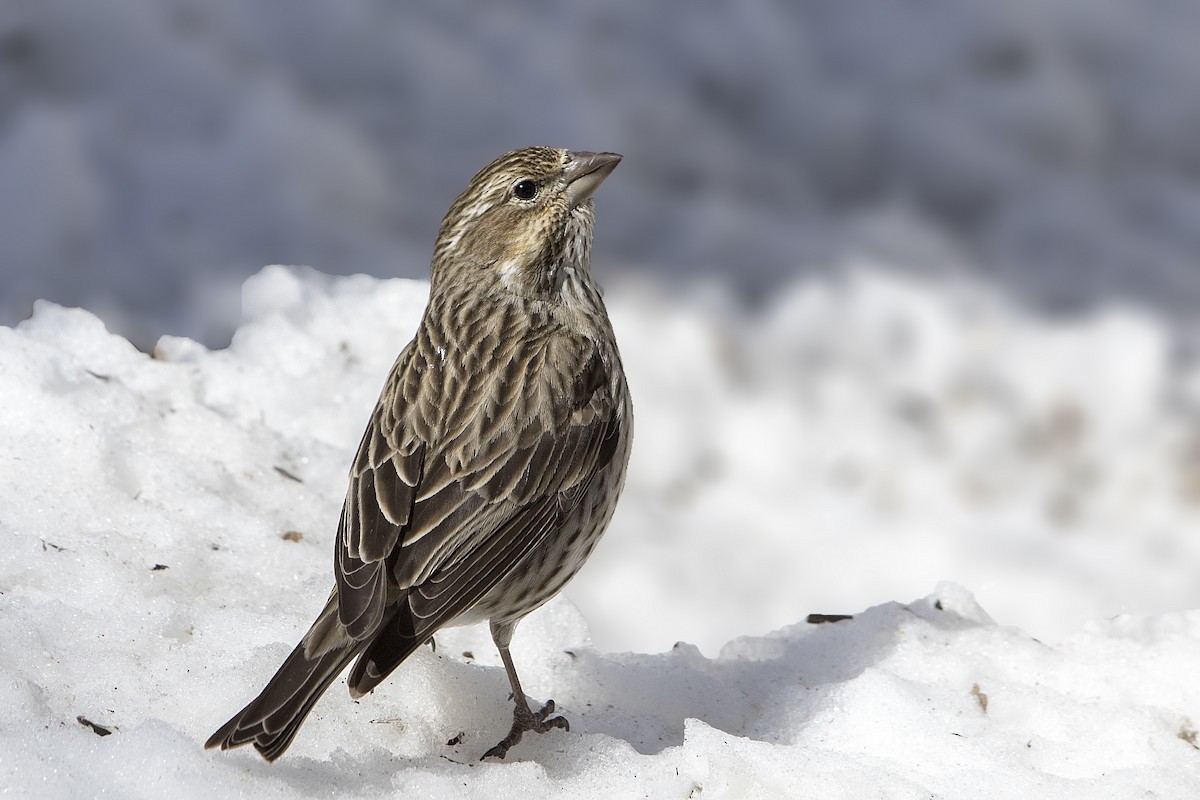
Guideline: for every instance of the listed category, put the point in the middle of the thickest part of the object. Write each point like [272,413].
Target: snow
[166,524]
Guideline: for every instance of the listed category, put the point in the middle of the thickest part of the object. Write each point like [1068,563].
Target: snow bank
[166,525]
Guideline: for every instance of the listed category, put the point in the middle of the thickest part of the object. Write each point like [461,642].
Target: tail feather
[272,719]
[395,642]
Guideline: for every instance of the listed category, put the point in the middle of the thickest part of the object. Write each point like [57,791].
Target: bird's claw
[526,720]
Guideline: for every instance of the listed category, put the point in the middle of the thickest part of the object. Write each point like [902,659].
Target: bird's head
[523,219]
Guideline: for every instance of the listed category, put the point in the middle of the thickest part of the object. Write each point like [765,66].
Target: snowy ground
[166,524]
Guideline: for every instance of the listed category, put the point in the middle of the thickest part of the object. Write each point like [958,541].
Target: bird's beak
[585,172]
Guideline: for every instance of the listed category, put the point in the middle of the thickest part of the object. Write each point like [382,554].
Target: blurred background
[833,439]
[154,153]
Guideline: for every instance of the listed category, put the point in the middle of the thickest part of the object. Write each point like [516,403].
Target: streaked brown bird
[494,457]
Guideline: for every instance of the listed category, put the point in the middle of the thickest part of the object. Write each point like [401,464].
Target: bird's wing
[379,505]
[440,519]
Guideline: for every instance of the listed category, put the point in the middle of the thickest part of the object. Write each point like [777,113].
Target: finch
[493,460]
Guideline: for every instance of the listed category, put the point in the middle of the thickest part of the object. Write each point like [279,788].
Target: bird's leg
[524,718]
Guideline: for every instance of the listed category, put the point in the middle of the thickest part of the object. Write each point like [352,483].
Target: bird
[493,460]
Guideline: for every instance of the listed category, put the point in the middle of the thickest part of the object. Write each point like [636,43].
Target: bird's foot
[526,720]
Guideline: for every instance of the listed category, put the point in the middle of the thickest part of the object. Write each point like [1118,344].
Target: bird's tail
[271,720]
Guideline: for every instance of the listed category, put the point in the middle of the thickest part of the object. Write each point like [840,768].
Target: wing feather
[394,494]
[442,525]
[460,584]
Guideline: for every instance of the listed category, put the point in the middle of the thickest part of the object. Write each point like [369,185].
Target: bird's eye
[525,189]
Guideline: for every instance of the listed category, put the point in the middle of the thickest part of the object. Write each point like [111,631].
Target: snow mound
[166,525]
